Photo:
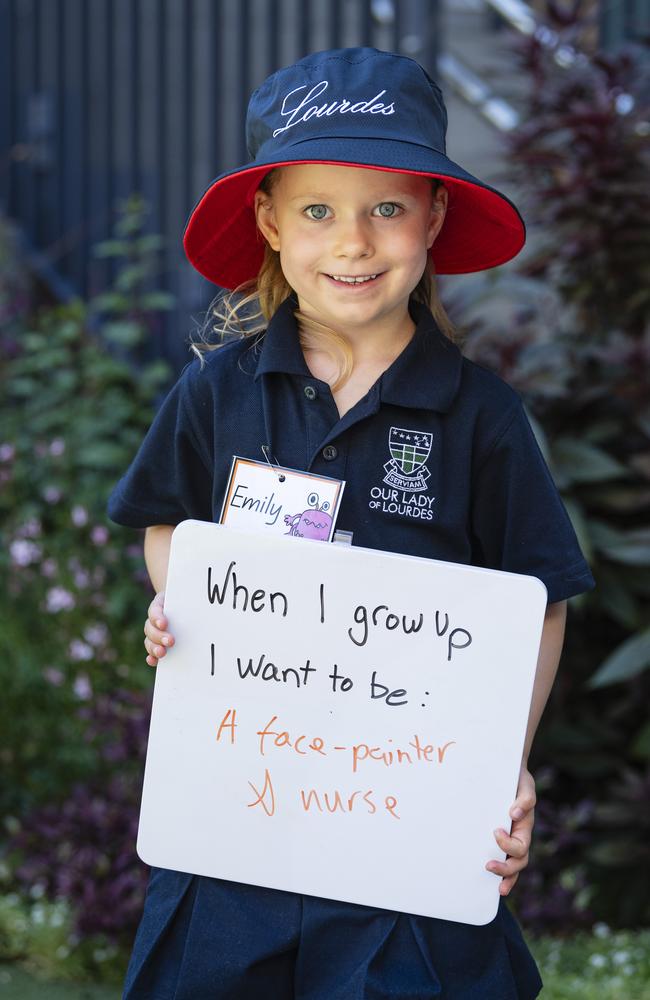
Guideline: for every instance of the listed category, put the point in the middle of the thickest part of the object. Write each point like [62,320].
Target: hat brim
[482,227]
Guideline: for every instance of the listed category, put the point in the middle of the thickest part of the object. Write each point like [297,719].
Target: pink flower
[99,534]
[59,599]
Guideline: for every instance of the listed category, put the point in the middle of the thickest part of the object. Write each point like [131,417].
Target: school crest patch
[409,451]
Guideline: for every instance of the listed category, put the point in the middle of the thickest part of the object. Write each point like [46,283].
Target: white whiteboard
[391,800]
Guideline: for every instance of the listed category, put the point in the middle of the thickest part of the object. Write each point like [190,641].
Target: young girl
[334,231]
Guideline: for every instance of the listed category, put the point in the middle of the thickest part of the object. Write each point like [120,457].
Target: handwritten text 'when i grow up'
[246,599]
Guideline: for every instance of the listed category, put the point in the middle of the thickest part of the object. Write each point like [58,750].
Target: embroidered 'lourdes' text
[309,108]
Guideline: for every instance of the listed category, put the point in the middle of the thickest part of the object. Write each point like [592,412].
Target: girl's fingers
[155,648]
[156,636]
[156,613]
[516,848]
[517,843]
[510,866]
[507,884]
[156,641]
[522,805]
[526,798]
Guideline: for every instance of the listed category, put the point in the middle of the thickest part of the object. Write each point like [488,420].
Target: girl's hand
[517,843]
[157,640]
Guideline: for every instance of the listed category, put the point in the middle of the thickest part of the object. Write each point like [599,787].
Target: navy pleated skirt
[207,939]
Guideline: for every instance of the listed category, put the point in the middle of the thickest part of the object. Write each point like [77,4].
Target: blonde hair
[246,310]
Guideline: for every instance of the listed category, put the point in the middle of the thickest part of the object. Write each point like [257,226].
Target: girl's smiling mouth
[353,280]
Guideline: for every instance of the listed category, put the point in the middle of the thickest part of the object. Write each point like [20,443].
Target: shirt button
[330,453]
[310,392]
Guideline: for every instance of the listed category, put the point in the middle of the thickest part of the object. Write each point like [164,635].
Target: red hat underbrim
[482,228]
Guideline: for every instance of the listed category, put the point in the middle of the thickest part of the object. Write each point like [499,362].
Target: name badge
[264,497]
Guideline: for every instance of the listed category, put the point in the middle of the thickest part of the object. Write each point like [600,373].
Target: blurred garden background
[117,117]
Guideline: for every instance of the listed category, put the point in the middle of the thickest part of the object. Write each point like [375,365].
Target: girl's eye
[388,209]
[316,211]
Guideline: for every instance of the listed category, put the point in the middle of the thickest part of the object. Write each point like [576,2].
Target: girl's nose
[353,239]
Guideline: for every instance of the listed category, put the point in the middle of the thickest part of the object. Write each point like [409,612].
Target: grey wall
[102,98]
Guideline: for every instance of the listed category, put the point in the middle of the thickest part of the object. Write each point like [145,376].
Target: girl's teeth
[354,281]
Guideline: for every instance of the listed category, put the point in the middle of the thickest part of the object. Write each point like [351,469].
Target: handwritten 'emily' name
[255,600]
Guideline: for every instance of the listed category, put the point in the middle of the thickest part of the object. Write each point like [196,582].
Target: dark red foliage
[553,893]
[83,849]
[581,360]
[583,154]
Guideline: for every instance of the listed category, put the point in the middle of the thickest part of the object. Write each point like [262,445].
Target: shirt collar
[426,375]
[281,351]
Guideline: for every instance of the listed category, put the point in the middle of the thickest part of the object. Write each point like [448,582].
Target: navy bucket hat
[361,108]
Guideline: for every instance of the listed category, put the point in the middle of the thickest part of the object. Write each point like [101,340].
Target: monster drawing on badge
[312,523]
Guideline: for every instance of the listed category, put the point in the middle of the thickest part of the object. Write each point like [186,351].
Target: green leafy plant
[73,410]
[39,935]
[602,965]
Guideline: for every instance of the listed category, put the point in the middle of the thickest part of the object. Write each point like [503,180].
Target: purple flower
[30,529]
[79,516]
[52,494]
[49,568]
[79,650]
[81,846]
[82,688]
[59,599]
[24,553]
[96,634]
[99,534]
[54,676]
[7,452]
[81,578]
[57,446]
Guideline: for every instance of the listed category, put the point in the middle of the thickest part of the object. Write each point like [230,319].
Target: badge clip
[273,462]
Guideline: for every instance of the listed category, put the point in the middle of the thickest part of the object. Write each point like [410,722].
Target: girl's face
[332,224]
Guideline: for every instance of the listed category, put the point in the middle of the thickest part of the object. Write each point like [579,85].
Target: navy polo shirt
[439,458]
